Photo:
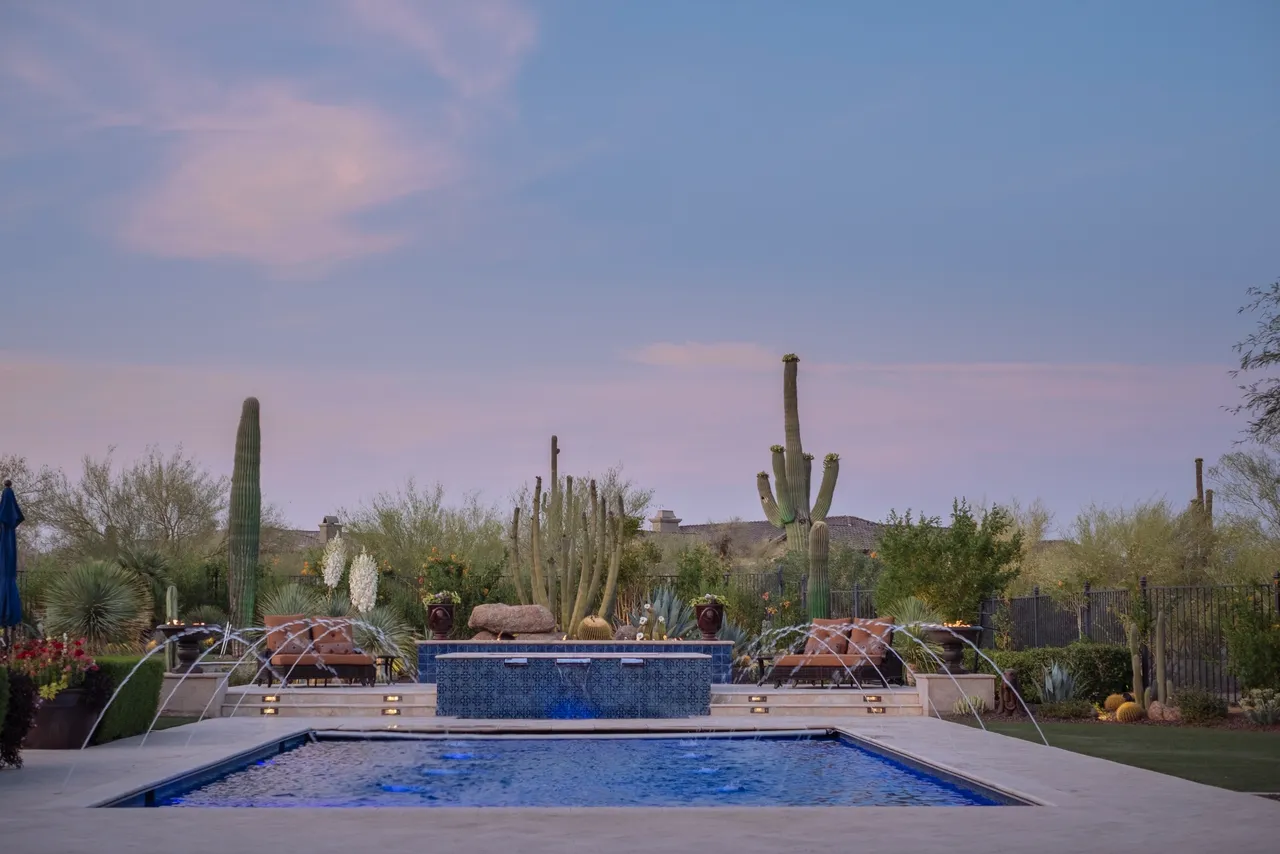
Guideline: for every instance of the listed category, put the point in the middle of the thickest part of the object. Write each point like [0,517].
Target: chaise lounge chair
[320,649]
[850,652]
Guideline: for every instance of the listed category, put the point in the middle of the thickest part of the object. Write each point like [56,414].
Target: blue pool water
[580,772]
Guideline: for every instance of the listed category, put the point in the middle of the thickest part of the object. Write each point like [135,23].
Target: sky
[1008,241]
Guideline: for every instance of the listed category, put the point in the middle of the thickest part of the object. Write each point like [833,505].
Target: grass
[1241,760]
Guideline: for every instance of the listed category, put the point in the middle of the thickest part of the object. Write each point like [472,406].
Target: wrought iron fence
[1196,617]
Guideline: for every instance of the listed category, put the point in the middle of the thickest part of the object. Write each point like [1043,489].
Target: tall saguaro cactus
[244,524]
[790,508]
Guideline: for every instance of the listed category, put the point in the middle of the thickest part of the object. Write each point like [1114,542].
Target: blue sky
[1007,239]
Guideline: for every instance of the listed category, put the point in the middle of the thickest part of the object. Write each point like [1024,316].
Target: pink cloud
[693,434]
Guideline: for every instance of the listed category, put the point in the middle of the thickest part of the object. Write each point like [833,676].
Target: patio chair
[322,650]
[842,652]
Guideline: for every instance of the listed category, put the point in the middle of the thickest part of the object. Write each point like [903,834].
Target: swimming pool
[741,771]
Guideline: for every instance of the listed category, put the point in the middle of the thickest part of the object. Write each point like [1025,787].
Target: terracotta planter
[63,723]
[710,619]
[440,620]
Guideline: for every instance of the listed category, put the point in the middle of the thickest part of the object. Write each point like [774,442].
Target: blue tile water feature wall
[721,652]
[499,685]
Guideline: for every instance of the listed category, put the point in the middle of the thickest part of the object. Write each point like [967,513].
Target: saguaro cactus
[790,508]
[244,524]
[171,616]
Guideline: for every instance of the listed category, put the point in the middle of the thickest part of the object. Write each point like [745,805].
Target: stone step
[306,710]
[785,709]
[820,699]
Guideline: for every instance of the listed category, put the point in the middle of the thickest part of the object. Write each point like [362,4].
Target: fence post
[726,579]
[782,584]
[1088,612]
[1035,616]
[1145,648]
[857,599]
[1275,589]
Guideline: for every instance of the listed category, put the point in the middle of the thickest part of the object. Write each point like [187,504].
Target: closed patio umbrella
[10,518]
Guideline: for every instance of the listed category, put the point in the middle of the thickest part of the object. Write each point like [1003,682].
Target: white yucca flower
[364,582]
[334,562]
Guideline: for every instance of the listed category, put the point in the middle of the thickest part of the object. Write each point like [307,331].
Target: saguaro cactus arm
[771,511]
[819,583]
[830,471]
[513,558]
[782,478]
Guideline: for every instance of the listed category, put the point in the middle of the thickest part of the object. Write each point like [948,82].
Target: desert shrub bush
[1262,706]
[1198,706]
[1099,669]
[1253,646]
[23,695]
[135,706]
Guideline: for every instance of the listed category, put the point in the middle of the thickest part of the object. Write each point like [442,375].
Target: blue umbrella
[10,518]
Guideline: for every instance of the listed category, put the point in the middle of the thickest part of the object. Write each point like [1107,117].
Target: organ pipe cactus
[244,523]
[575,548]
[789,508]
[171,617]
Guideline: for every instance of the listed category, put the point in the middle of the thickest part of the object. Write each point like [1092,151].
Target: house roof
[851,531]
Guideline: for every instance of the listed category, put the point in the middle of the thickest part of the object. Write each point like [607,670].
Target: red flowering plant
[53,665]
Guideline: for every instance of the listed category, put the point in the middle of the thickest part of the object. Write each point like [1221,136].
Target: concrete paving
[1088,803]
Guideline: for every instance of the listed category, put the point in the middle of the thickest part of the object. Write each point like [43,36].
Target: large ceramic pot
[189,640]
[954,640]
[710,619]
[440,619]
[63,723]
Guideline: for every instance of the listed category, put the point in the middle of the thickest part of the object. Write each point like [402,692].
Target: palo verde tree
[790,509]
[1260,351]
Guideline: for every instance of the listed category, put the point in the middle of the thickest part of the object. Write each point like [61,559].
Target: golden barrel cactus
[1129,713]
[1113,702]
[595,628]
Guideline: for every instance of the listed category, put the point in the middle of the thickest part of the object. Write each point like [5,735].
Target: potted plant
[708,609]
[440,610]
[64,717]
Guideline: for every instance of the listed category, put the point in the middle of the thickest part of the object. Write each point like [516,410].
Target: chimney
[330,529]
[665,522]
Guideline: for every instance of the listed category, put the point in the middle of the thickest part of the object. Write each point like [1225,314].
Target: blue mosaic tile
[541,689]
[721,663]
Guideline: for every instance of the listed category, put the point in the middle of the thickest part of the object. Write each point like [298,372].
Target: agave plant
[736,633]
[100,601]
[673,612]
[290,599]
[913,615]
[383,631]
[1059,685]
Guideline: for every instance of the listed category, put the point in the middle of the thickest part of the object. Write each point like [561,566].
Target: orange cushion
[836,662]
[287,634]
[827,639]
[870,637]
[332,636]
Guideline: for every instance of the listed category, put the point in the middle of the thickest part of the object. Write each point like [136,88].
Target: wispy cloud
[266,171]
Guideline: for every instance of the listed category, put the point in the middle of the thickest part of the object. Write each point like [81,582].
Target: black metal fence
[1196,620]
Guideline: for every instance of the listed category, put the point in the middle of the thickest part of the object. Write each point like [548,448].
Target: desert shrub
[1198,706]
[1067,710]
[102,602]
[21,713]
[1253,646]
[1099,669]
[133,709]
[1262,706]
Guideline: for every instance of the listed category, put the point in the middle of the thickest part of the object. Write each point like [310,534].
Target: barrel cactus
[1129,713]
[1114,702]
[595,628]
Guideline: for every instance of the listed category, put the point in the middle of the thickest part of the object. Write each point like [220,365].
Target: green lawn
[1232,759]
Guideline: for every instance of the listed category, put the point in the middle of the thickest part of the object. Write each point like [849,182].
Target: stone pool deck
[1088,802]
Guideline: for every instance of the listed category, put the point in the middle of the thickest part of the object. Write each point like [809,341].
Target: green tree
[953,569]
[1260,351]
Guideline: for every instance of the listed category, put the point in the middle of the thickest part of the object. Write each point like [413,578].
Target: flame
[958,624]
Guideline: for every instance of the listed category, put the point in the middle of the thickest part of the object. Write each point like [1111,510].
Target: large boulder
[512,619]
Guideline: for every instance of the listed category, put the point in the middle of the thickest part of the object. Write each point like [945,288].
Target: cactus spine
[575,555]
[244,524]
[789,508]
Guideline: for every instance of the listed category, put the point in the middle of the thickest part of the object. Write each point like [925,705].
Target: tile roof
[851,531]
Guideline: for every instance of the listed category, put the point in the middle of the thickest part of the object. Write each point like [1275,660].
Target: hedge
[1099,669]
[4,697]
[17,719]
[134,708]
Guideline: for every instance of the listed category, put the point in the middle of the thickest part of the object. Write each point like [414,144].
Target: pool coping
[147,795]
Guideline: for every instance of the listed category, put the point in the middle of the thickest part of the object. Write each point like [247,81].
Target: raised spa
[554,685]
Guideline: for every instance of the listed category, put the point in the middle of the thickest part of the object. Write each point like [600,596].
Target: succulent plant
[969,705]
[790,507]
[1129,713]
[595,628]
[1113,702]
[1059,685]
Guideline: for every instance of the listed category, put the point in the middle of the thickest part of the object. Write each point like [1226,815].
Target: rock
[1172,714]
[626,633]
[1155,710]
[485,635]
[512,619]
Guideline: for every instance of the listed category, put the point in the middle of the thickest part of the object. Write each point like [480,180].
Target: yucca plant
[153,568]
[291,598]
[210,615]
[913,614]
[383,631]
[100,601]
[334,604]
